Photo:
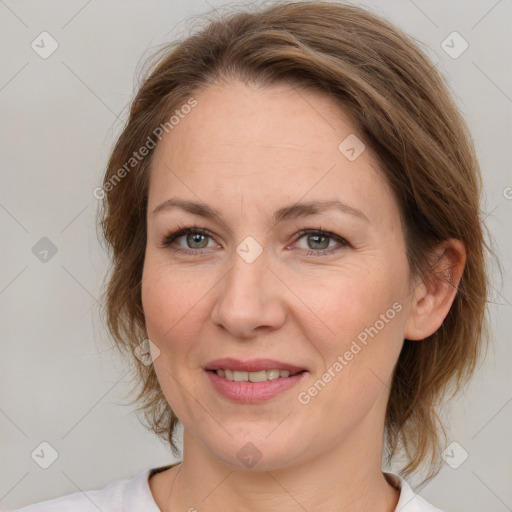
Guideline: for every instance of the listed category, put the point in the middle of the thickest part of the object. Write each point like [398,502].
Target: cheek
[174,319]
[349,300]
[357,361]
[172,304]
[361,313]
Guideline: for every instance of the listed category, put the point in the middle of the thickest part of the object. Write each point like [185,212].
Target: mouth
[252,381]
[258,376]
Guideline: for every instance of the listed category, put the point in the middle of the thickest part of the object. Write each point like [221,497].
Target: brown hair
[406,116]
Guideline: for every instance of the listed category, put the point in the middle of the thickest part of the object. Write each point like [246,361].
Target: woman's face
[252,287]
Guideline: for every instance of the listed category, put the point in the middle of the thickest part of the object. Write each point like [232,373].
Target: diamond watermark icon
[454,455]
[249,249]
[44,250]
[454,45]
[351,147]
[44,455]
[249,455]
[146,352]
[44,45]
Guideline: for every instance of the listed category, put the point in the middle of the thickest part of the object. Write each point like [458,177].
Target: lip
[251,365]
[253,392]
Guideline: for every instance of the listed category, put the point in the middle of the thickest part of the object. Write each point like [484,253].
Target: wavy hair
[406,115]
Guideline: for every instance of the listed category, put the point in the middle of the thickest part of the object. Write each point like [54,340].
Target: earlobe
[435,293]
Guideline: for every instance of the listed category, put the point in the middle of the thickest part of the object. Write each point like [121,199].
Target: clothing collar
[138,496]
[409,501]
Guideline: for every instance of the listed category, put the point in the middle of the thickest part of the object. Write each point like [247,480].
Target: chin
[259,453]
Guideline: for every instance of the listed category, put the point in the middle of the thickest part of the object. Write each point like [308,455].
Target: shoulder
[108,499]
[409,501]
[117,496]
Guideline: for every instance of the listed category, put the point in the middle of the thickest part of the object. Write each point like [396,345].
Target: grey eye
[197,238]
[319,241]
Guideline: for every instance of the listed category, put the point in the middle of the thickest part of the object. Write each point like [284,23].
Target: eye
[320,241]
[194,239]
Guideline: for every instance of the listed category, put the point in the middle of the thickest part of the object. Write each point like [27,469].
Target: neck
[343,480]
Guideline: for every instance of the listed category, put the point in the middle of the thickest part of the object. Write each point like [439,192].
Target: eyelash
[169,239]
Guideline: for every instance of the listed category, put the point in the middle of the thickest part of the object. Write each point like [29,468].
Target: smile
[259,376]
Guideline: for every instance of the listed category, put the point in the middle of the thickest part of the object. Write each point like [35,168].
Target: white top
[135,495]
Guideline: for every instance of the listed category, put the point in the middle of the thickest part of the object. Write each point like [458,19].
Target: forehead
[240,119]
[273,144]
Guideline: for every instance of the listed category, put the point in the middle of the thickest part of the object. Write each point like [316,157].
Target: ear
[434,294]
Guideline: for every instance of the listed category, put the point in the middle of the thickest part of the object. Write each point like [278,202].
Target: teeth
[257,376]
[240,376]
[260,376]
[272,374]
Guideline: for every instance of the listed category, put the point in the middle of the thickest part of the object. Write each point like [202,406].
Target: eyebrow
[288,212]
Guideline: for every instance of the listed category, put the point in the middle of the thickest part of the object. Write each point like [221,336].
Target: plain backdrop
[60,381]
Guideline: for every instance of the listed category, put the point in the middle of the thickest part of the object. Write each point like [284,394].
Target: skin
[247,152]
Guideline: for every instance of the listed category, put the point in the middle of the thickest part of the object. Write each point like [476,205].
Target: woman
[298,264]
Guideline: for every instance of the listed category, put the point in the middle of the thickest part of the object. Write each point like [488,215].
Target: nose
[248,300]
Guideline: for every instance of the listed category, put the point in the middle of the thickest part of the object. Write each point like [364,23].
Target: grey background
[60,381]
